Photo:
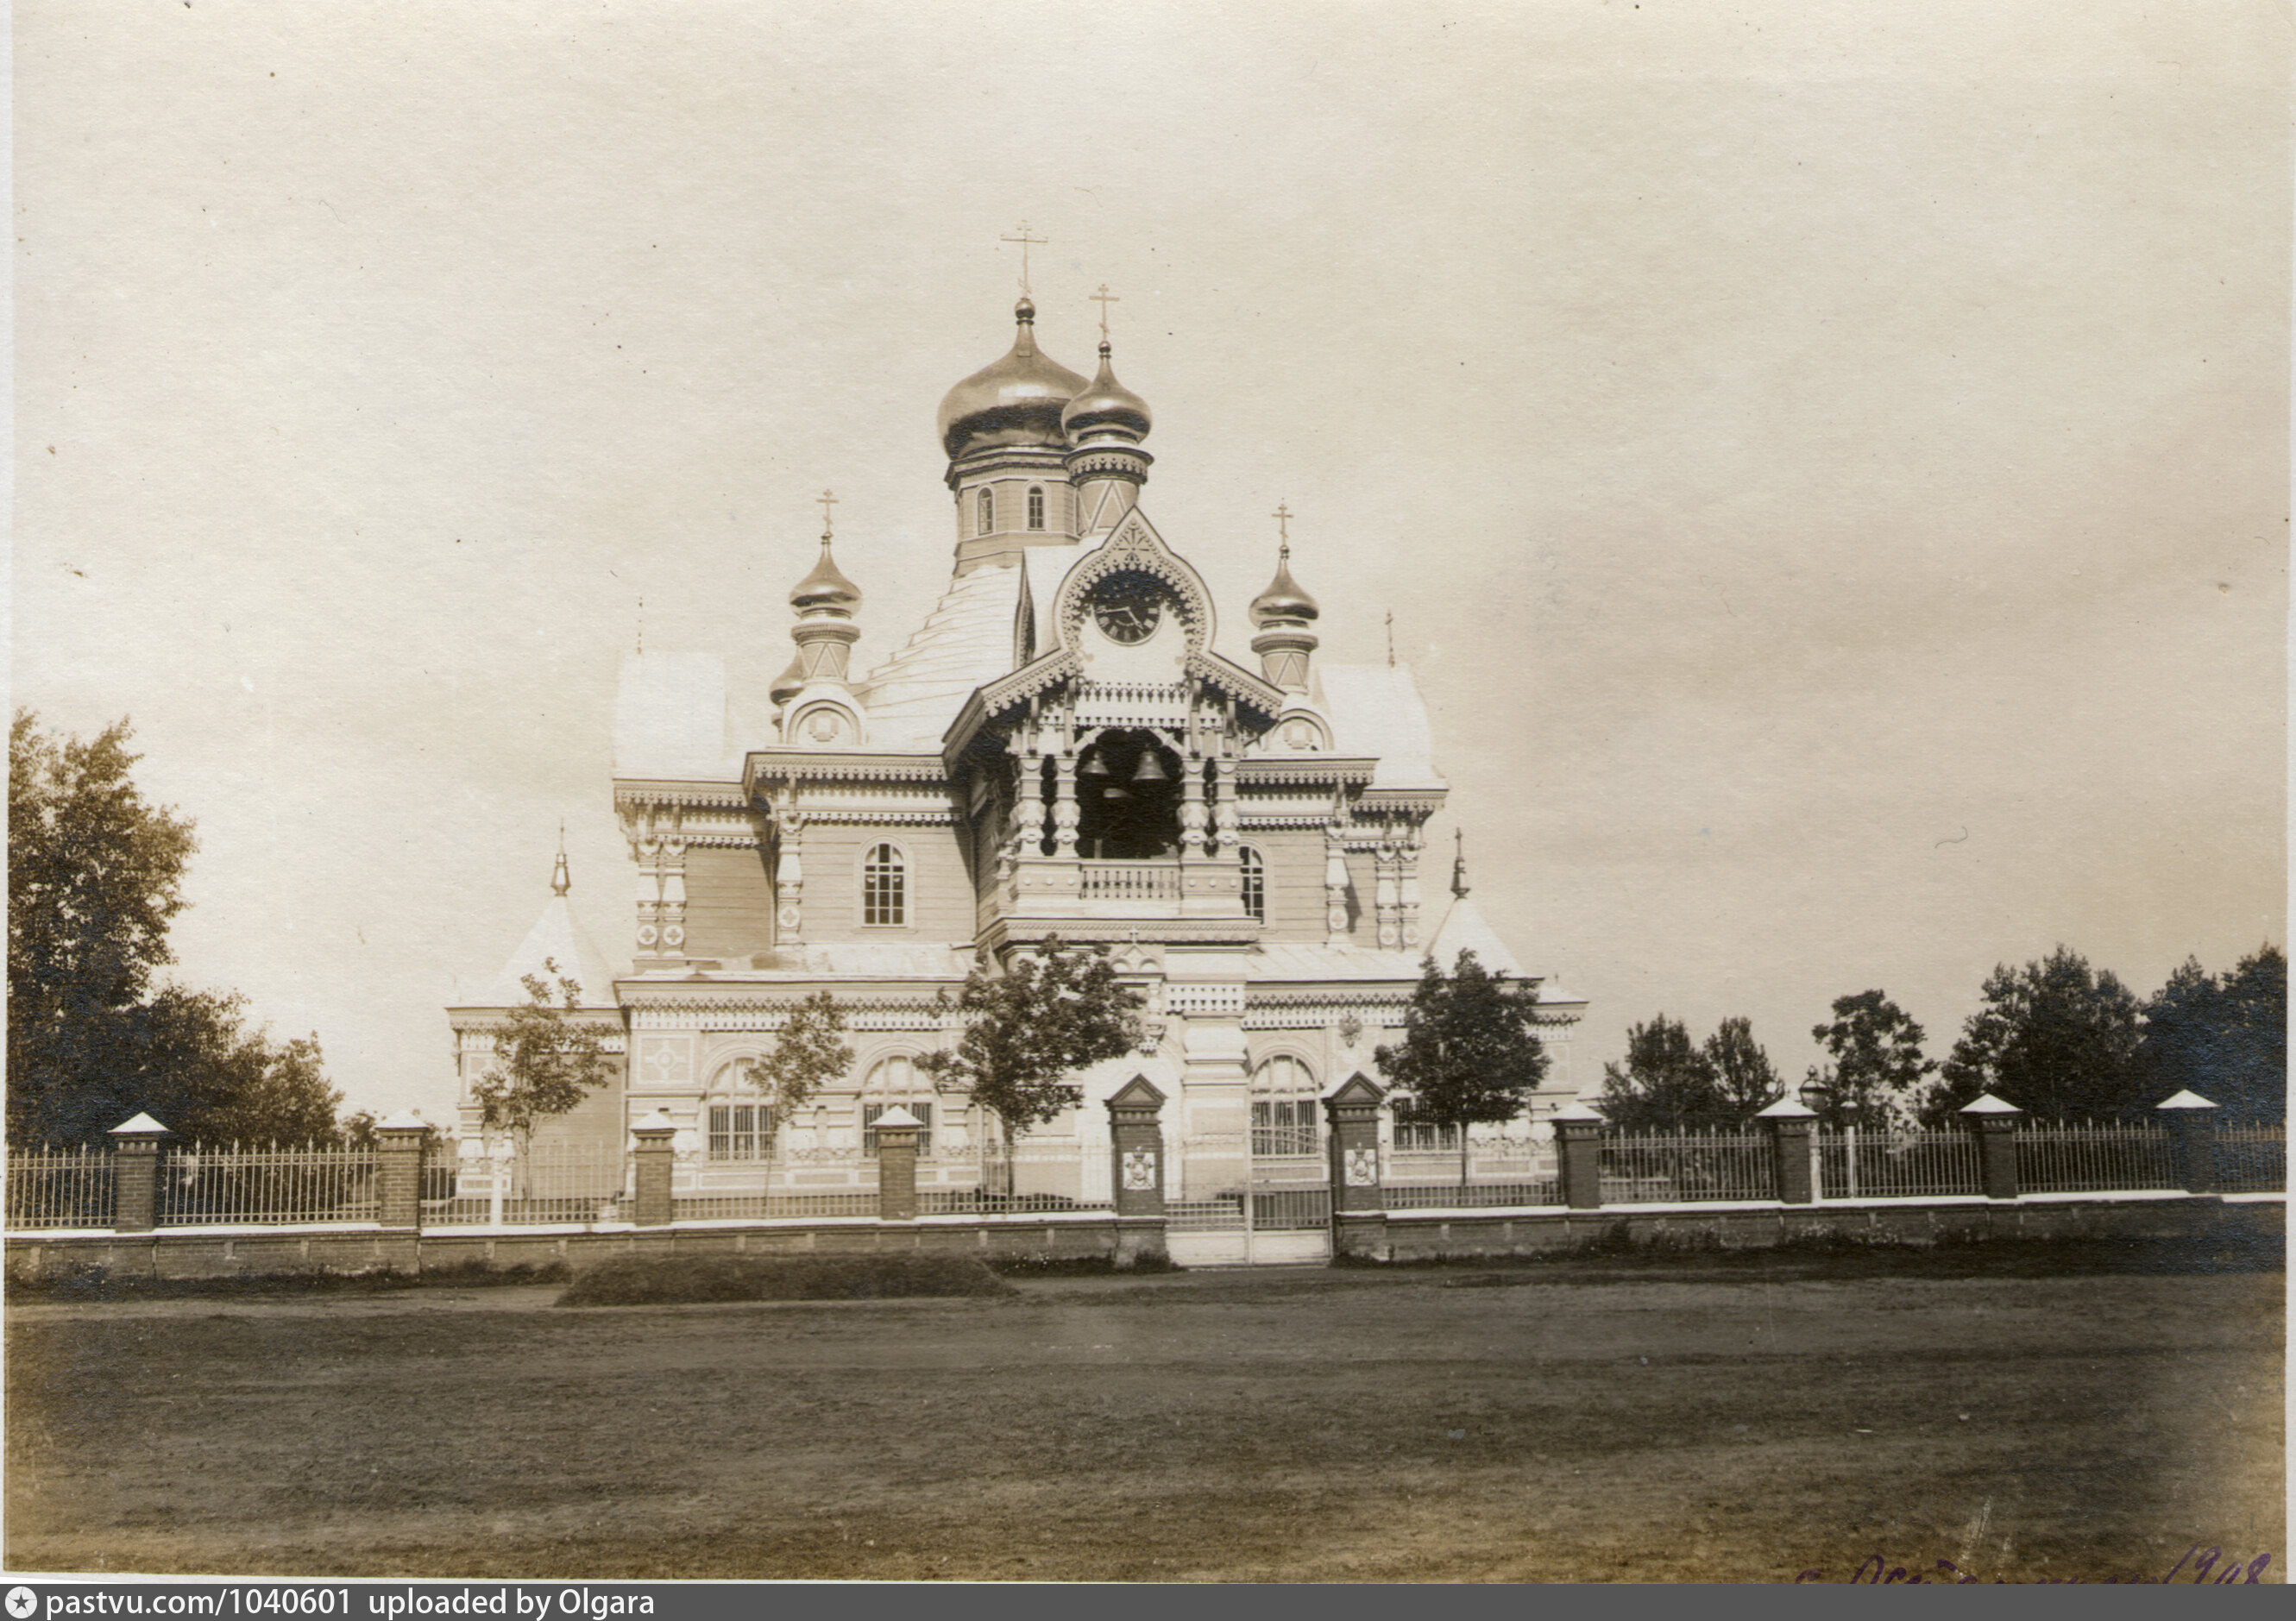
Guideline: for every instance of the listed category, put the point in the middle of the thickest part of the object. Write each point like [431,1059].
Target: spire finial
[1459,863]
[1104,297]
[1283,516]
[827,498]
[1391,638]
[560,880]
[1025,239]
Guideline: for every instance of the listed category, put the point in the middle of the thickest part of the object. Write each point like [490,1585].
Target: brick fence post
[1135,1147]
[136,1173]
[897,1164]
[1358,1201]
[1578,1144]
[1994,1122]
[2193,1120]
[1791,1121]
[398,1169]
[655,1156]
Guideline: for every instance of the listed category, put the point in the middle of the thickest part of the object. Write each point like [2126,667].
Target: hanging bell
[1093,766]
[1151,769]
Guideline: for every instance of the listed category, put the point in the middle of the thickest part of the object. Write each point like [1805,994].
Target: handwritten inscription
[2199,1567]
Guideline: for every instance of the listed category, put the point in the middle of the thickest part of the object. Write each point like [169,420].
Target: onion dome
[1283,599]
[824,587]
[786,685]
[1106,407]
[1017,401]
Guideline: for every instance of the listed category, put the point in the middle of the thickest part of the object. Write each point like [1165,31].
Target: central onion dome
[1283,599]
[1017,401]
[825,587]
[1106,409]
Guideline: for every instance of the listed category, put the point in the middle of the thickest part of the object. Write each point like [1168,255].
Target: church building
[1071,744]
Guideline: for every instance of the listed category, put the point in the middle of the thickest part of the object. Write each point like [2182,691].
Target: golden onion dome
[1283,599]
[786,685]
[825,587]
[1106,407]
[1017,401]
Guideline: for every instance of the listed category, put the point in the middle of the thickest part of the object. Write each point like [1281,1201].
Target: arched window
[885,887]
[1036,506]
[1283,1109]
[740,1127]
[985,506]
[1255,884]
[1418,1132]
[891,1081]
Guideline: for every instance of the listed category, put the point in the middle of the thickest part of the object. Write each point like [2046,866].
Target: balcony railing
[1130,880]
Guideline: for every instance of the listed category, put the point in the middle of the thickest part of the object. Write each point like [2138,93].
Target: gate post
[2193,1118]
[655,1158]
[1136,1143]
[1359,1202]
[1996,1124]
[136,1173]
[897,1164]
[1579,1128]
[398,1169]
[1790,1123]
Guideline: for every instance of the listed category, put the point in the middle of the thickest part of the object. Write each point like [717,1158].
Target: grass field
[1739,1422]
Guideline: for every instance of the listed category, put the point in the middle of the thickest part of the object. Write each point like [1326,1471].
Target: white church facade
[1070,745]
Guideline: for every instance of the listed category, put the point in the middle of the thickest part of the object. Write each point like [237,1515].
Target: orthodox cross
[1103,298]
[1025,239]
[827,500]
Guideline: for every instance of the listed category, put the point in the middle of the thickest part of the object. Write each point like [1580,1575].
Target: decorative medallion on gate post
[1363,1167]
[1140,1170]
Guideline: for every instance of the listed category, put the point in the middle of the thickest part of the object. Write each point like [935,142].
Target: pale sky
[1827,463]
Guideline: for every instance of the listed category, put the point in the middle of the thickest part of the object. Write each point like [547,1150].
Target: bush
[695,1280]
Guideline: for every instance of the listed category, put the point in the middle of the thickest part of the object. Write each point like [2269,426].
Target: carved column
[1193,821]
[645,846]
[1029,826]
[1335,884]
[1064,804]
[1390,933]
[1225,821]
[1406,886]
[673,888]
[789,879]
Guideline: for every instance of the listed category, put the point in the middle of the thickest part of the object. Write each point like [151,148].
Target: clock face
[1127,607]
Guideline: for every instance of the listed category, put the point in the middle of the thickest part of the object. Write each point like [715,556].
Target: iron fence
[2087,1158]
[543,1183]
[2252,1157]
[60,1188]
[773,1206]
[1665,1168]
[206,1185]
[1854,1164]
[1474,1196]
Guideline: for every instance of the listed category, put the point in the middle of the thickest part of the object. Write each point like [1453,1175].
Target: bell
[1092,767]
[1151,769]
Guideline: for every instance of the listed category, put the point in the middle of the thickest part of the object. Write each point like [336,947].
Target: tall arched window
[1255,884]
[1036,506]
[885,887]
[891,1081]
[740,1127]
[985,507]
[1283,1107]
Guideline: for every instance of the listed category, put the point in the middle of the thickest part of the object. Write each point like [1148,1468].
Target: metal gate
[1268,1222]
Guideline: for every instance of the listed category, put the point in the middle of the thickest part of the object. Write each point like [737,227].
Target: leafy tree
[1744,1082]
[2224,1039]
[548,1059]
[1050,1013]
[94,879]
[2055,1037]
[1877,1073]
[1470,1051]
[807,1055]
[1666,1083]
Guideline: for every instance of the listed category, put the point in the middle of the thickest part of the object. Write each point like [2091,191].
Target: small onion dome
[1283,599]
[786,685]
[824,587]
[1106,407]
[1017,401]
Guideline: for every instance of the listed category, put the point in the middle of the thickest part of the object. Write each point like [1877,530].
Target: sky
[1827,463]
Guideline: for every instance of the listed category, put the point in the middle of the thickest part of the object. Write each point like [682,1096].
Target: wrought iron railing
[60,1188]
[2086,1158]
[1867,1164]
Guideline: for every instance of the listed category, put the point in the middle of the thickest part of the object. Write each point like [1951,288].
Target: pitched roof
[557,938]
[1375,712]
[964,642]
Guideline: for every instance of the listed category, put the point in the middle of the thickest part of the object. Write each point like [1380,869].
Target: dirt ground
[1531,1424]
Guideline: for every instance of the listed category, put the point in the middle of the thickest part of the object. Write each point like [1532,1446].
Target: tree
[2054,1037]
[1875,1078]
[1050,1013]
[1470,1051]
[807,1055]
[94,879]
[1665,1083]
[2224,1039]
[547,1059]
[1744,1081]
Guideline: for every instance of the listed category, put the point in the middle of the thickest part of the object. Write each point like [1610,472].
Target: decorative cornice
[1237,682]
[630,792]
[767,767]
[1292,770]
[1424,801]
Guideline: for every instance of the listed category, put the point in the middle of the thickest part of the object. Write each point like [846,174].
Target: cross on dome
[1104,297]
[827,499]
[1025,239]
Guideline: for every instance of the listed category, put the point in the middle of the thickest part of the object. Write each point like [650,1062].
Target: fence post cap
[1787,1109]
[1987,1104]
[1359,1089]
[404,1120]
[896,1117]
[2185,1100]
[1578,1108]
[142,1127]
[1138,1093]
[655,1121]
